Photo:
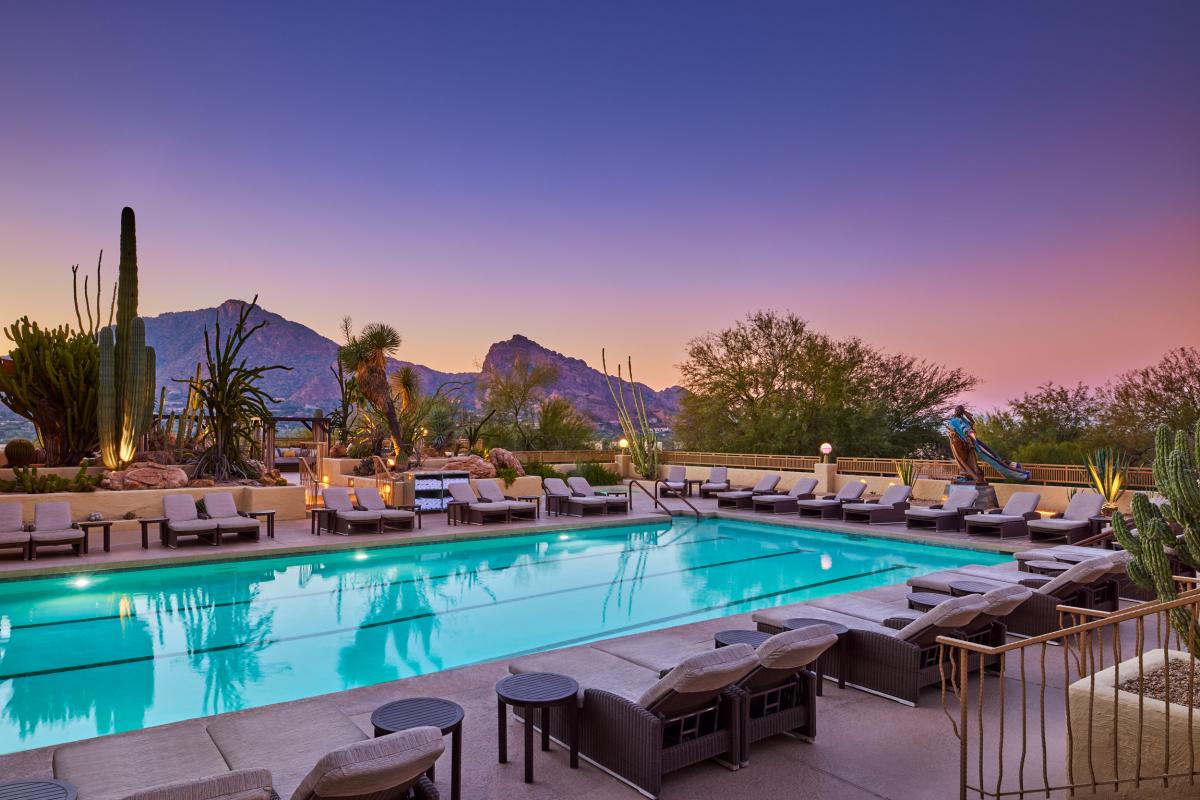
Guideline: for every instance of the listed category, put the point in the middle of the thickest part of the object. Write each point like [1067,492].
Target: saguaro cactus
[1177,476]
[125,402]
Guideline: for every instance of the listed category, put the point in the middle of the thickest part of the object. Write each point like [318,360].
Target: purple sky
[1009,187]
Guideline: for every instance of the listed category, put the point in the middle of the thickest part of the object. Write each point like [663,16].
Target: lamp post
[623,443]
[826,449]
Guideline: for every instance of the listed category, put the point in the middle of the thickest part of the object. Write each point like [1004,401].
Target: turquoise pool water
[86,655]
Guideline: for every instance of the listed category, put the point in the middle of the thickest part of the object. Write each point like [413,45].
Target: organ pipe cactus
[126,385]
[635,423]
[1174,524]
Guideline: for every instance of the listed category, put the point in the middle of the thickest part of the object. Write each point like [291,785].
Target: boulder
[503,458]
[202,483]
[145,475]
[475,465]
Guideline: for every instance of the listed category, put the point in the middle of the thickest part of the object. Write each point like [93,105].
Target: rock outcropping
[477,466]
[145,475]
[502,458]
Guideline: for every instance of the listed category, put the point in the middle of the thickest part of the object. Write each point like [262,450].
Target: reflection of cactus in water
[1177,476]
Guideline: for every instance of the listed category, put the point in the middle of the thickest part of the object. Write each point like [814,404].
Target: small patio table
[531,691]
[413,712]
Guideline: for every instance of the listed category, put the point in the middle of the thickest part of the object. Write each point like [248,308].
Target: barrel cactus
[125,404]
[1174,524]
[19,453]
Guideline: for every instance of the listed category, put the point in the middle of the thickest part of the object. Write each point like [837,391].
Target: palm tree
[366,356]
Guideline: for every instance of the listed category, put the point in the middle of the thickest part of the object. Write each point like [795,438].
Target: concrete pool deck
[867,747]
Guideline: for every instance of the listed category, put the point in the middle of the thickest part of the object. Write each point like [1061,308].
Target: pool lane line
[421,615]
[341,590]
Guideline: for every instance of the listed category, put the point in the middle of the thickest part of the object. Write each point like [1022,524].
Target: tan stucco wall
[63,472]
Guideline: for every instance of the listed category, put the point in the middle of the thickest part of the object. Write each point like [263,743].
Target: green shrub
[365,467]
[19,452]
[506,474]
[361,450]
[28,481]
[541,469]
[596,474]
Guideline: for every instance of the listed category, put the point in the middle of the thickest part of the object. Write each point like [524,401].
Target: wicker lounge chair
[802,489]
[890,662]
[52,527]
[302,752]
[402,517]
[640,727]
[220,508]
[675,483]
[340,516]
[473,511]
[947,516]
[13,532]
[561,500]
[581,488]
[1012,520]
[1073,524]
[718,481]
[491,492]
[830,506]
[744,498]
[888,508]
[1088,584]
[181,518]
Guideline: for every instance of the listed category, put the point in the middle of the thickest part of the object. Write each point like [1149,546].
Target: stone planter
[1113,716]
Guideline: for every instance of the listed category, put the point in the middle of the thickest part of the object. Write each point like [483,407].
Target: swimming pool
[86,655]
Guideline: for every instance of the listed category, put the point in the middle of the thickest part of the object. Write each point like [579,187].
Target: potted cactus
[1116,710]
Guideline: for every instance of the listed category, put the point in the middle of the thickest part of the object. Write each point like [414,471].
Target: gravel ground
[1155,684]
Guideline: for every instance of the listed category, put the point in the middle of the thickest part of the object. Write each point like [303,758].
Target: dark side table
[37,789]
[414,712]
[530,691]
[752,638]
[104,524]
[796,623]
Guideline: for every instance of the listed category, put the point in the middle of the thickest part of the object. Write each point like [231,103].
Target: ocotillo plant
[125,404]
[643,443]
[1177,476]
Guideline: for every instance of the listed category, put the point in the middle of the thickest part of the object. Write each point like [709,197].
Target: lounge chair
[640,727]
[1012,520]
[341,517]
[744,498]
[561,500]
[674,484]
[52,527]
[1073,524]
[947,516]
[999,602]
[581,488]
[220,508]
[13,532]
[830,506]
[403,517]
[717,481]
[465,506]
[802,489]
[890,662]
[1088,584]
[490,492]
[888,508]
[180,518]
[303,752]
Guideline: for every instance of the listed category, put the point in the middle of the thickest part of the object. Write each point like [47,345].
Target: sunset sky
[1013,188]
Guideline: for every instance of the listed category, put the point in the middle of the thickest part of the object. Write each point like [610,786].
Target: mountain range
[178,340]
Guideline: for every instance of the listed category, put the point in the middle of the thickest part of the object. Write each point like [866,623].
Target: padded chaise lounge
[220,508]
[1074,524]
[13,533]
[718,481]
[888,508]
[892,662]
[675,483]
[491,492]
[472,510]
[744,498]
[181,518]
[52,527]
[581,488]
[401,517]
[1010,521]
[802,489]
[947,516]
[561,500]
[830,506]
[340,515]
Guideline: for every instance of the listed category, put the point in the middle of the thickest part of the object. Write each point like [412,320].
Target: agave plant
[906,471]
[1107,468]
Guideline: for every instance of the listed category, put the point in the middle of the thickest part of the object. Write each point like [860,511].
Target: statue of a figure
[960,429]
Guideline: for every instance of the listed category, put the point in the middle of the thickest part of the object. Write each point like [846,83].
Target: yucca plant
[906,471]
[1107,468]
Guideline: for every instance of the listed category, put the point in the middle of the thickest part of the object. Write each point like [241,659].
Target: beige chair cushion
[579,485]
[1083,505]
[795,649]
[659,653]
[13,537]
[767,482]
[288,740]
[374,765]
[895,494]
[1056,524]
[1021,503]
[556,487]
[358,516]
[718,476]
[462,493]
[776,617]
[179,507]
[245,784]
[803,486]
[63,535]
[676,475]
[1082,574]
[52,516]
[192,525]
[369,498]
[114,767]
[337,498]
[705,672]
[490,491]
[591,669]
[739,495]
[950,615]
[851,491]
[10,518]
[1002,601]
[960,497]
[220,505]
[930,513]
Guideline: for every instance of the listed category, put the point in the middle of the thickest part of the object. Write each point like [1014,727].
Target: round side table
[37,789]
[530,691]
[961,588]
[752,638]
[1050,568]
[795,623]
[433,711]
[923,601]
